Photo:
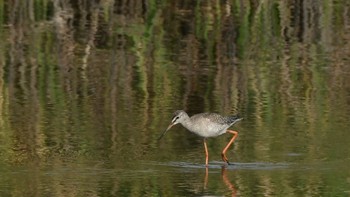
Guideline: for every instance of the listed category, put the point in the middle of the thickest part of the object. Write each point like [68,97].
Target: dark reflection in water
[86,87]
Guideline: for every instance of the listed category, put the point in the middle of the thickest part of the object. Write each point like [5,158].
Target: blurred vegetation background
[82,79]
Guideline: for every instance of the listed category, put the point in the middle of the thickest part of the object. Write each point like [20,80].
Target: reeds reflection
[90,83]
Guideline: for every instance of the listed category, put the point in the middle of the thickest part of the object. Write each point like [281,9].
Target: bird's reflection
[227,182]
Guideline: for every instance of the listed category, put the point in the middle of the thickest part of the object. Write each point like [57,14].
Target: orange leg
[223,154]
[206,152]
[206,178]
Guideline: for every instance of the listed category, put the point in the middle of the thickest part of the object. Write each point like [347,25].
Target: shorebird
[206,125]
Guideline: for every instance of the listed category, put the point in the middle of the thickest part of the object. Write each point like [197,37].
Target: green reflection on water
[87,88]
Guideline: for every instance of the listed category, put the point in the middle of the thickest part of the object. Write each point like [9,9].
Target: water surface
[86,89]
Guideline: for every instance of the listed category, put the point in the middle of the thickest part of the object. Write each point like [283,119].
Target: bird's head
[179,116]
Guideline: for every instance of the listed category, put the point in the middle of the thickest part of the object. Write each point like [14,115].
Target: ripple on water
[233,166]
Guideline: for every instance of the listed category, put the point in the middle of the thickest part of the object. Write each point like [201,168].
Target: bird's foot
[224,158]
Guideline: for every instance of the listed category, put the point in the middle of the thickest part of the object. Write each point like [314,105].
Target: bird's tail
[234,119]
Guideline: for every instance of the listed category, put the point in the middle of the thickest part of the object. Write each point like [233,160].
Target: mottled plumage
[205,125]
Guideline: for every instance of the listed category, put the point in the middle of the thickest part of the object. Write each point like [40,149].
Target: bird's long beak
[166,131]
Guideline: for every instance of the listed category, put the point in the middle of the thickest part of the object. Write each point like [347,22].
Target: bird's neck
[186,122]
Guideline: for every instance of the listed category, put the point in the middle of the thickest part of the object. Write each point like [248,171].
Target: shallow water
[87,88]
[176,179]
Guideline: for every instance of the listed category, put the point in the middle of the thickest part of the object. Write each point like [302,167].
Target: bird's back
[216,118]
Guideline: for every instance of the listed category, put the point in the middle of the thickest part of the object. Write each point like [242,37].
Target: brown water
[87,88]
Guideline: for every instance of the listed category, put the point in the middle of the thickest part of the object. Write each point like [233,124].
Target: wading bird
[206,125]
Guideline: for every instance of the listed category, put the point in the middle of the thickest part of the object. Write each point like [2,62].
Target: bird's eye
[175,118]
